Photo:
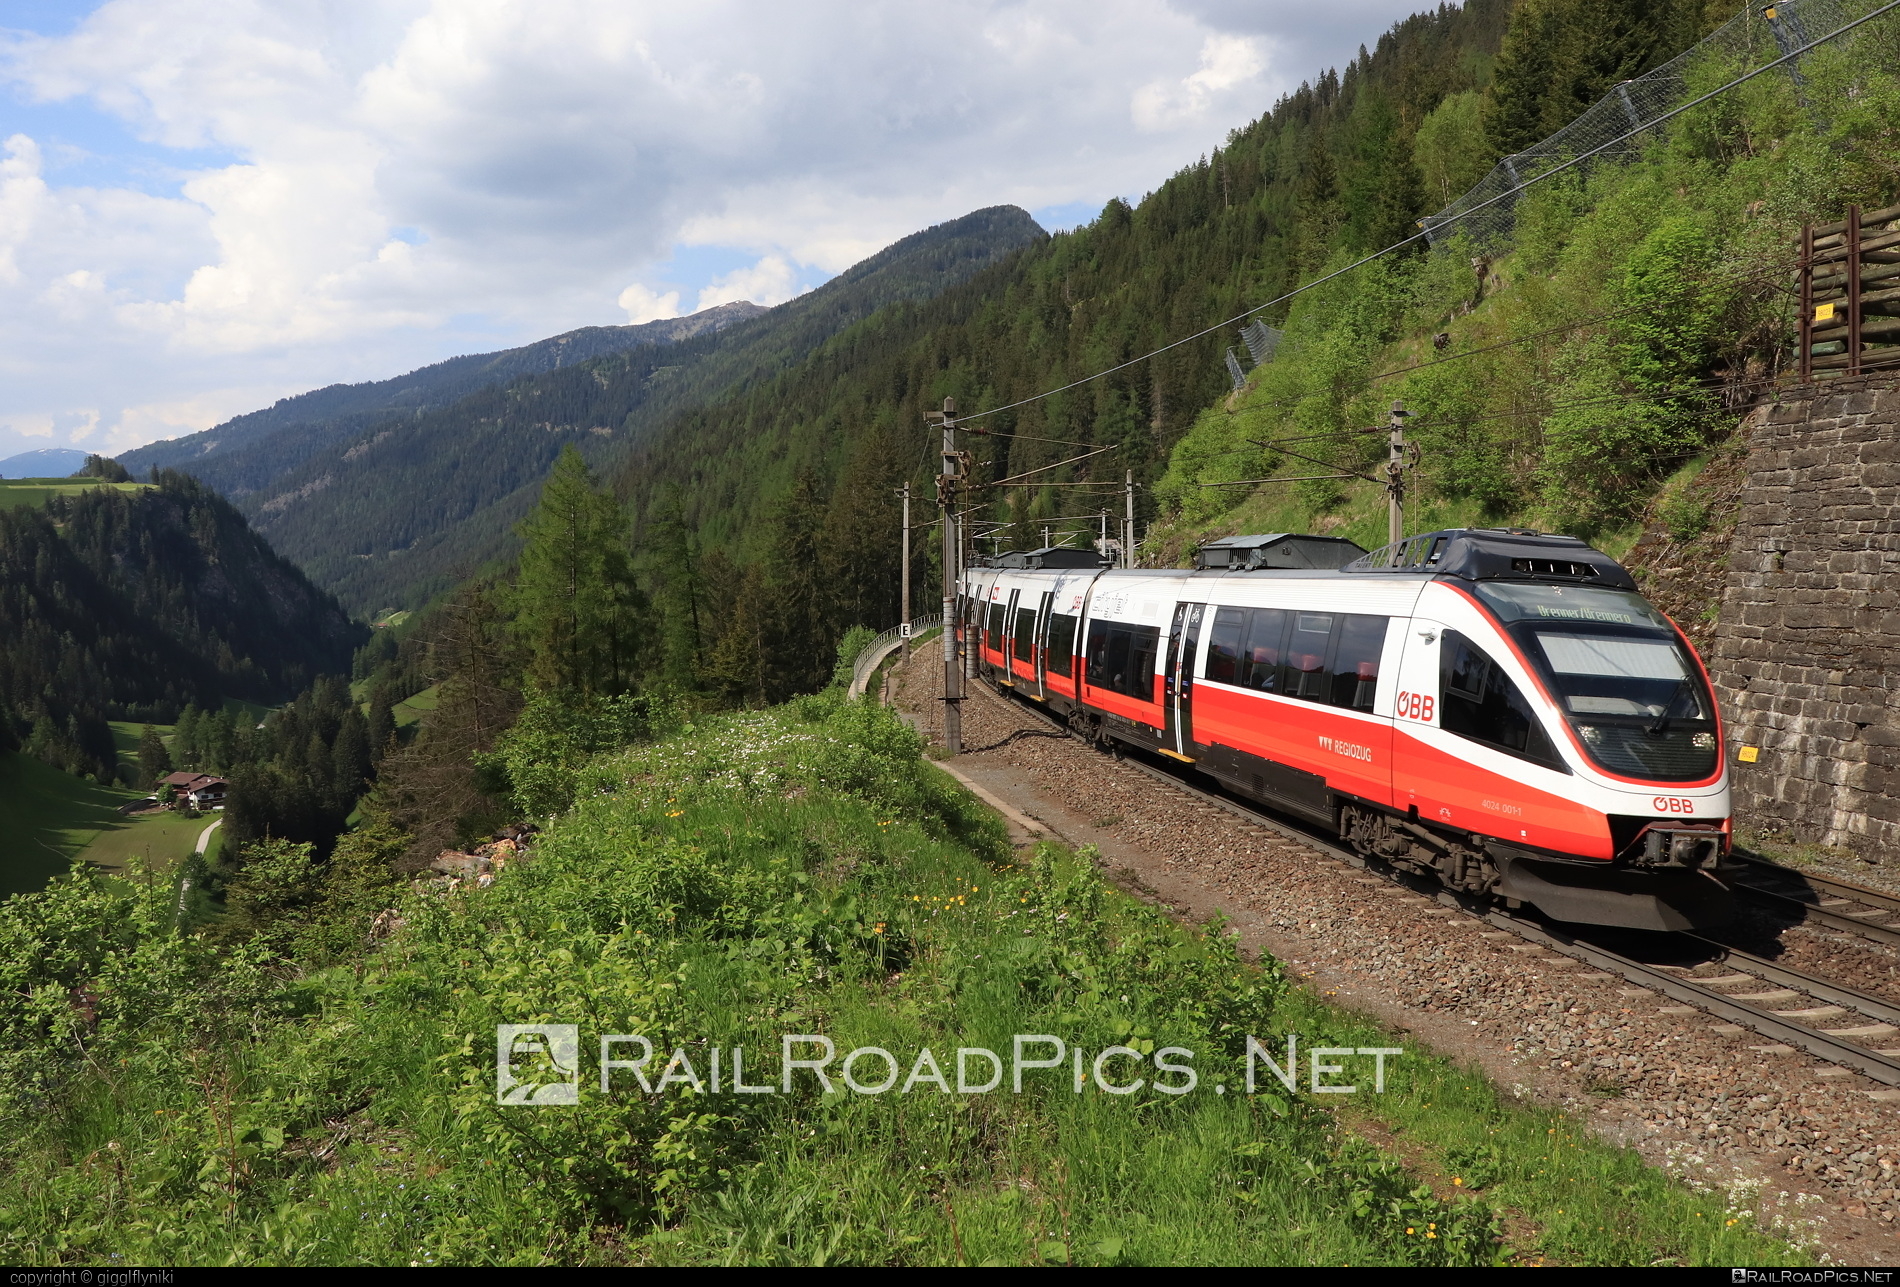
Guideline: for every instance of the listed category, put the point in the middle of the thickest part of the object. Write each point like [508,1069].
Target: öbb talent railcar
[1498,708]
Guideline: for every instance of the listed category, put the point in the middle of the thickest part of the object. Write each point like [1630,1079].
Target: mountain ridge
[243,453]
[391,515]
[46,462]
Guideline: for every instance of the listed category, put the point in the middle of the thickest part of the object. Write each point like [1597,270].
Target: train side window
[1061,643]
[1122,658]
[1265,635]
[1355,668]
[1224,645]
[1479,701]
[1025,634]
[1306,646]
[993,630]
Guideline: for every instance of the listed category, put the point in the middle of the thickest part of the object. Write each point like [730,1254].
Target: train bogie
[1499,709]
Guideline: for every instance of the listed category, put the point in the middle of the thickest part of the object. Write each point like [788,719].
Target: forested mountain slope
[392,516]
[247,452]
[1603,350]
[1531,407]
[786,486]
[118,605]
[1345,165]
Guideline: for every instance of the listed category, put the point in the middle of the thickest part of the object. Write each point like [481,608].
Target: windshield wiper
[1662,719]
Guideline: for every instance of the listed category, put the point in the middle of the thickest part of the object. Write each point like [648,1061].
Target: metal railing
[883,646]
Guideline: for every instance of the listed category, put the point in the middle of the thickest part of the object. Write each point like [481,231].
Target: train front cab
[1573,729]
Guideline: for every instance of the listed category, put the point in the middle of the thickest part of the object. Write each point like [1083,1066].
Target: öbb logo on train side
[1673,804]
[1415,706]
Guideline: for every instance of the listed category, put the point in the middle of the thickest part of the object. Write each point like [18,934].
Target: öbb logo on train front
[1673,804]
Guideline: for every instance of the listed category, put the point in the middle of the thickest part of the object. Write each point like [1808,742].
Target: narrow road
[204,837]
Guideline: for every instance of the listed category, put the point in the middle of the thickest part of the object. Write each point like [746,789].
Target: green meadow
[48,816]
[15,492]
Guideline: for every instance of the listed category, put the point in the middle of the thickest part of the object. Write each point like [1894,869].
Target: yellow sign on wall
[1748,754]
[1824,312]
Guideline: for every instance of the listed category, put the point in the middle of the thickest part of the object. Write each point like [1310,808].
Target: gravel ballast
[1718,1105]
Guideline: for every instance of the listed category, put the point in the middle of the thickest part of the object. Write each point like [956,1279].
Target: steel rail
[1828,1046]
[1842,888]
[1838,993]
[1820,886]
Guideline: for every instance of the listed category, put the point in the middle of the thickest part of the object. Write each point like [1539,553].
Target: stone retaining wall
[1807,644]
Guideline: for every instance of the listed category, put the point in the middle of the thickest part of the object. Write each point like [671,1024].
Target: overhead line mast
[952,548]
[904,603]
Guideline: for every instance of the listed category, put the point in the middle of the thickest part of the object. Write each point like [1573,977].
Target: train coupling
[1691,848]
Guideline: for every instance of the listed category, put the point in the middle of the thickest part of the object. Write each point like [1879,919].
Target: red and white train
[1496,707]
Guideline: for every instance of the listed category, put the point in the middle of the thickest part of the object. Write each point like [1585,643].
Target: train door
[1184,645]
[1039,649]
[1419,771]
[1005,640]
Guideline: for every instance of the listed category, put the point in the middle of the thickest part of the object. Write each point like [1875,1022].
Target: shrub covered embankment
[799,871]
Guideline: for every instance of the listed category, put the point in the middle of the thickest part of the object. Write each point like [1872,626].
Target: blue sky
[206,206]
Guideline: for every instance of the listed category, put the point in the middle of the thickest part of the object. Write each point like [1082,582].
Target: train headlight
[1590,733]
[1703,741]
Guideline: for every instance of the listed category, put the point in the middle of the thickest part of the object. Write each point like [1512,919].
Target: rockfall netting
[1758,34]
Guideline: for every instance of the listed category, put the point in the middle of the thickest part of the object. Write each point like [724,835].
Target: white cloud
[137,425]
[770,281]
[387,182]
[1227,63]
[644,305]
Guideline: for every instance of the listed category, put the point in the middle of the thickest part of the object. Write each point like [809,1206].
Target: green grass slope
[19,492]
[794,871]
[48,817]
[158,841]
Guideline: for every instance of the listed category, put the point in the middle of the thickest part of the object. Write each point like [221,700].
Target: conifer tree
[737,664]
[154,760]
[382,721]
[676,561]
[861,541]
[350,756]
[185,747]
[799,657]
[576,608]
[1319,206]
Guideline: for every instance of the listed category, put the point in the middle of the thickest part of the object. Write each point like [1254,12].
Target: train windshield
[1628,685]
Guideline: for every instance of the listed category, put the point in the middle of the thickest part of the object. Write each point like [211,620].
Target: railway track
[1820,900]
[1795,1010]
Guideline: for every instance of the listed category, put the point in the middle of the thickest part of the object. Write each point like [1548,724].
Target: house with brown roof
[197,790]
